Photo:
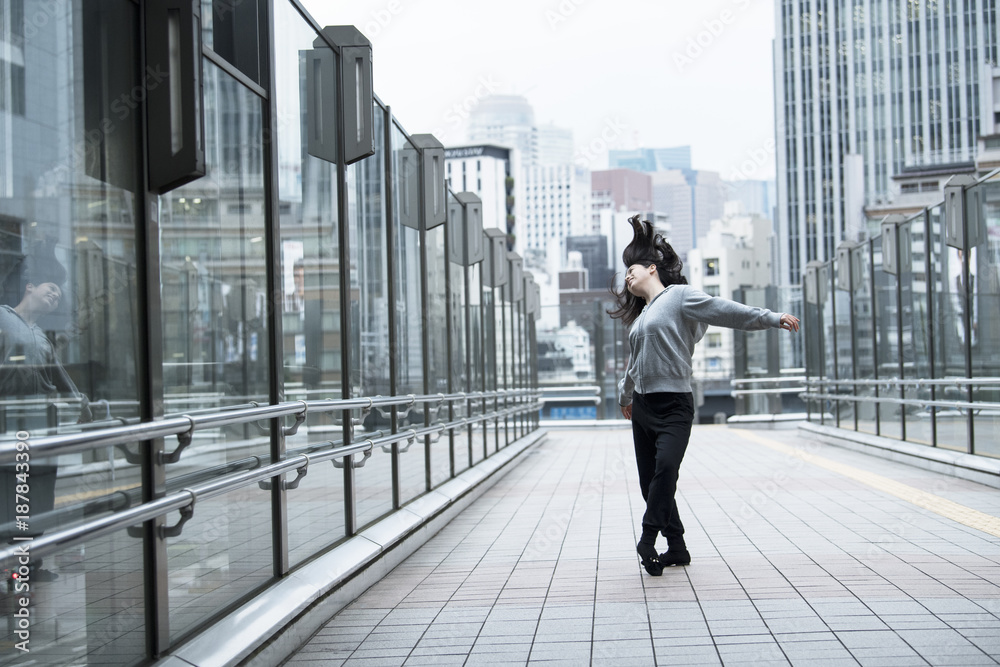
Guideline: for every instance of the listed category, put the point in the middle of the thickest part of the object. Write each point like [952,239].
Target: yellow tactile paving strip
[928,501]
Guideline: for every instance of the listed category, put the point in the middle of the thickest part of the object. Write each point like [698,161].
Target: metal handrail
[185,499]
[909,383]
[776,390]
[792,378]
[186,425]
[956,405]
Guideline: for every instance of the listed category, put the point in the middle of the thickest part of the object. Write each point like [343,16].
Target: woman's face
[637,276]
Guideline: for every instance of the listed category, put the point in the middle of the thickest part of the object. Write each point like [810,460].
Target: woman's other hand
[627,412]
[789,322]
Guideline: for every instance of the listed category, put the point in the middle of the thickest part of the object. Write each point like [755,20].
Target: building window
[714,340]
[712,290]
[711,267]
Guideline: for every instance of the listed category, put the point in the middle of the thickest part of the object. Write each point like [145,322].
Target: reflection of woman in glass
[666,318]
[29,367]
[30,372]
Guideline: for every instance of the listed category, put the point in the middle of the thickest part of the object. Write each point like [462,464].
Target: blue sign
[576,412]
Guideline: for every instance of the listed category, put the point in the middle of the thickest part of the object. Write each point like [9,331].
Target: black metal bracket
[402,450]
[286,485]
[183,440]
[130,456]
[354,464]
[299,419]
[170,531]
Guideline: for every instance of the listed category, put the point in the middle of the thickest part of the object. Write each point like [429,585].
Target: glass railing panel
[310,279]
[369,339]
[949,336]
[92,612]
[885,308]
[315,509]
[845,411]
[984,299]
[437,328]
[213,288]
[476,360]
[917,332]
[408,353]
[460,372]
[373,480]
[223,555]
[369,281]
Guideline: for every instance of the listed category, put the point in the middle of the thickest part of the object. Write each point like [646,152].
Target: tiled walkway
[794,562]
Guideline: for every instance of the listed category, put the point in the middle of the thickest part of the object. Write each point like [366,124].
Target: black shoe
[650,559]
[672,557]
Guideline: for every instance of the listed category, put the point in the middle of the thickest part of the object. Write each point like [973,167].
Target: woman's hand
[789,322]
[627,411]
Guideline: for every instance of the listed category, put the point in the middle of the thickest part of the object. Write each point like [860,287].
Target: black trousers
[661,428]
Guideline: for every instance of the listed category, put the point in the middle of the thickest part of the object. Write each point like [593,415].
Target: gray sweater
[662,338]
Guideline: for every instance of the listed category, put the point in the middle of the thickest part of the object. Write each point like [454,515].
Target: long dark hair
[647,247]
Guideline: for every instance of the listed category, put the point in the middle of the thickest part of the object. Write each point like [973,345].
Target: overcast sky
[622,73]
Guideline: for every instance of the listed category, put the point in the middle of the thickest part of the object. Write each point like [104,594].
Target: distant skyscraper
[651,159]
[551,195]
[622,190]
[755,197]
[876,102]
[506,120]
[691,200]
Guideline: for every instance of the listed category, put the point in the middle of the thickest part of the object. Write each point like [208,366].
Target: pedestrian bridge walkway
[802,553]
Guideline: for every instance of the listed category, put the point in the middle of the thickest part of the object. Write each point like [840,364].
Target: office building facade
[878,103]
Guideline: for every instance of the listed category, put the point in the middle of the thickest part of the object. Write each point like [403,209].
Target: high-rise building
[877,104]
[551,194]
[506,120]
[619,190]
[691,200]
[486,170]
[651,159]
[753,196]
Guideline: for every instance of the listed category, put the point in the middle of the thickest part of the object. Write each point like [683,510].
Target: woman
[666,318]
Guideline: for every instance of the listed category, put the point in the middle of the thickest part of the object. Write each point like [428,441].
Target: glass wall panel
[886,307]
[310,279]
[69,208]
[234,29]
[916,336]
[475,359]
[490,351]
[459,364]
[845,411]
[370,351]
[949,339]
[407,277]
[92,614]
[984,280]
[213,287]
[437,331]
[222,555]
